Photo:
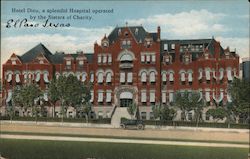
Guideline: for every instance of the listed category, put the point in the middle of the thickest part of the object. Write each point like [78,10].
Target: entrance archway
[126,98]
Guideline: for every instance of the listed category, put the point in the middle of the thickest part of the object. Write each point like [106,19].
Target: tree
[132,109]
[167,113]
[197,104]
[70,92]
[26,97]
[156,109]
[53,94]
[182,102]
[61,90]
[217,113]
[239,91]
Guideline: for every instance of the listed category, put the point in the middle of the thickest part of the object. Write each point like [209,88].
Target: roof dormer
[105,41]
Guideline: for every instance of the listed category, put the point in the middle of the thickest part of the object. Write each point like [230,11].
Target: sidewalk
[91,125]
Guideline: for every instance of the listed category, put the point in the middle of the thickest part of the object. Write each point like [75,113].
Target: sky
[226,21]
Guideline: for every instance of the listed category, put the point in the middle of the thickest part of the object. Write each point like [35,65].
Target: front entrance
[126,99]
[125,102]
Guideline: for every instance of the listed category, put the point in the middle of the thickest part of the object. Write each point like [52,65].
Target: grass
[34,149]
[120,137]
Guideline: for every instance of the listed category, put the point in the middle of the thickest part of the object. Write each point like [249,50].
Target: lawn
[34,149]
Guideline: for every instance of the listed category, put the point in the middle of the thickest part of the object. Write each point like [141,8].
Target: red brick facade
[121,62]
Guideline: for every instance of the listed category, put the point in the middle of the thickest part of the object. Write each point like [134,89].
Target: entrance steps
[120,112]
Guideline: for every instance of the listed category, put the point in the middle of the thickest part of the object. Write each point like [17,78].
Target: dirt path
[63,138]
[148,133]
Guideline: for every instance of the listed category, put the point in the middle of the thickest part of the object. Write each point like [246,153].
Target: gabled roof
[142,33]
[34,52]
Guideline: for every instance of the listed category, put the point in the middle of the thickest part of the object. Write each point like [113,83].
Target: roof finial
[126,24]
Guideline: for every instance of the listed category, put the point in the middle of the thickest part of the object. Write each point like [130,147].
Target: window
[207,74]
[148,58]
[92,77]
[100,77]
[229,74]
[143,97]
[81,62]
[18,78]
[109,59]
[172,46]
[183,79]
[143,115]
[13,62]
[130,77]
[92,96]
[152,97]
[41,62]
[171,97]
[68,62]
[171,76]
[190,77]
[143,58]
[163,97]
[108,77]
[100,97]
[104,59]
[144,77]
[165,47]
[207,96]
[164,77]
[84,77]
[122,77]
[153,58]
[108,96]
[152,77]
[126,58]
[99,59]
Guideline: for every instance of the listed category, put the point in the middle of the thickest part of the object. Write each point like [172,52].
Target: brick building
[131,65]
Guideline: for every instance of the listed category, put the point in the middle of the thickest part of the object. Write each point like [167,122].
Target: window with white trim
[100,77]
[108,77]
[68,62]
[130,77]
[152,97]
[164,77]
[153,58]
[152,77]
[104,60]
[108,96]
[143,77]
[165,47]
[122,77]
[148,58]
[92,77]
[163,97]
[92,96]
[100,97]
[171,76]
[109,58]
[99,60]
[142,58]
[80,62]
[172,46]
[143,96]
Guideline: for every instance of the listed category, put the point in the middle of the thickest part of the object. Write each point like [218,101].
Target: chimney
[159,32]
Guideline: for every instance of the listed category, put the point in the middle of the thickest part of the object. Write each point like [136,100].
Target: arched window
[100,77]
[84,76]
[164,77]
[108,77]
[126,58]
[171,76]
[143,77]
[152,77]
